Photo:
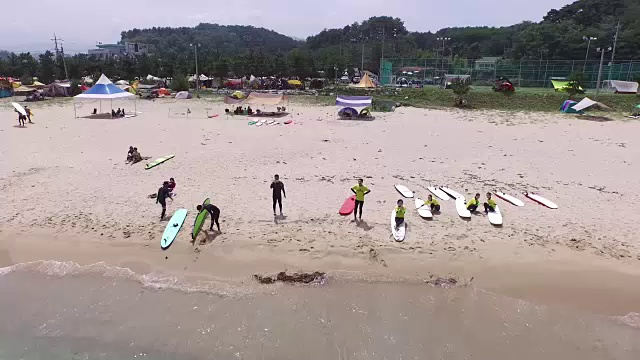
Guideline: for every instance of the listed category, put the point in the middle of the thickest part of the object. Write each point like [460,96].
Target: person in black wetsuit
[278,191]
[163,194]
[214,212]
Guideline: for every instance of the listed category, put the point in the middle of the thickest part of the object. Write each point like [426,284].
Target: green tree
[46,68]
[461,88]
[180,83]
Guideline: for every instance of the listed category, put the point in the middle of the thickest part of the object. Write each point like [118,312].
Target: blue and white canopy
[104,89]
[354,101]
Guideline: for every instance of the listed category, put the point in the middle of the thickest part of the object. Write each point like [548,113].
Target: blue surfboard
[173,228]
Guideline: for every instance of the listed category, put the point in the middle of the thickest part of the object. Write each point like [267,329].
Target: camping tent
[57,90]
[621,87]
[104,89]
[587,103]
[365,82]
[567,107]
[183,95]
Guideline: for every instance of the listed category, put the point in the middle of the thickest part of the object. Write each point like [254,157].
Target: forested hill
[224,39]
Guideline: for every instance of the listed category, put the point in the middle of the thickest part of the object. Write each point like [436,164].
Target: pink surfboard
[348,206]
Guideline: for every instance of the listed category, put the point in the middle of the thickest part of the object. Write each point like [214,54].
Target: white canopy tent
[104,89]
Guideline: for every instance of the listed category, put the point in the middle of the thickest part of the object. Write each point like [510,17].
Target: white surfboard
[398,234]
[508,198]
[269,122]
[461,208]
[438,193]
[542,201]
[423,210]
[404,191]
[454,194]
[19,108]
[495,217]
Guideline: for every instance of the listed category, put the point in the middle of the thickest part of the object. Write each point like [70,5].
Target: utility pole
[586,57]
[362,62]
[58,53]
[601,51]
[613,53]
[195,51]
[443,39]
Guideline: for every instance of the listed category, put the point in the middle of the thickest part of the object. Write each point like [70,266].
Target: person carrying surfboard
[360,190]
[20,118]
[214,212]
[278,191]
[490,205]
[473,204]
[400,211]
[432,203]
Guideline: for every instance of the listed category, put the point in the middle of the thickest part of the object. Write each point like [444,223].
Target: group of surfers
[278,191]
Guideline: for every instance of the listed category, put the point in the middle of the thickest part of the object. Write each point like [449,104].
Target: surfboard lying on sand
[288,122]
[423,210]
[398,234]
[508,198]
[200,219]
[438,193]
[19,108]
[348,206]
[461,208]
[495,217]
[542,201]
[173,228]
[452,193]
[269,122]
[404,191]
[158,161]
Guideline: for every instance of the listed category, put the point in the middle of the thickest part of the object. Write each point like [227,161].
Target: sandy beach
[70,202]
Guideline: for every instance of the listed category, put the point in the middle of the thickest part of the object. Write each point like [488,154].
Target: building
[487,63]
[104,51]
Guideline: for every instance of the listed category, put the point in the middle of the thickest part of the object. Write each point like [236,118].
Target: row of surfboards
[268,122]
[444,193]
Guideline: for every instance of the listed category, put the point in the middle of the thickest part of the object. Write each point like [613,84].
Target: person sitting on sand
[472,205]
[400,211]
[432,203]
[249,110]
[95,111]
[214,212]
[163,194]
[135,156]
[490,205]
[113,113]
[122,113]
[130,154]
[118,112]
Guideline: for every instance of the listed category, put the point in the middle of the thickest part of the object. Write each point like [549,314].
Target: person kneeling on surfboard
[433,203]
[473,204]
[163,194]
[400,211]
[214,212]
[360,191]
[490,205]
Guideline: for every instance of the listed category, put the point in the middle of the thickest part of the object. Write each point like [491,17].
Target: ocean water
[54,310]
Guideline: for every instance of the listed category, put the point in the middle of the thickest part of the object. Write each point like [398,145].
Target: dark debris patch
[315,277]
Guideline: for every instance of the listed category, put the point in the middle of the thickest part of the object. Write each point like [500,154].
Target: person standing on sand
[20,119]
[472,205]
[360,191]
[163,194]
[278,191]
[29,113]
[214,212]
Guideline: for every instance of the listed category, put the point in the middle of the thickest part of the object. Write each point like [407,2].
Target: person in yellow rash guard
[472,205]
[490,205]
[360,191]
[432,203]
[400,211]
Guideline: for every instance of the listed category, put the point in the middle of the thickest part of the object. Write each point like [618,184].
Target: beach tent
[238,95]
[264,99]
[295,83]
[587,103]
[354,101]
[122,82]
[104,89]
[6,90]
[23,90]
[365,82]
[567,107]
[621,87]
[57,90]
[183,95]
[561,85]
[37,84]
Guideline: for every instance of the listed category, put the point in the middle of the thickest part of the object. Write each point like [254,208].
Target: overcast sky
[82,23]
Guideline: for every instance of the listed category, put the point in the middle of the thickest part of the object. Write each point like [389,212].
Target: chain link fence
[523,73]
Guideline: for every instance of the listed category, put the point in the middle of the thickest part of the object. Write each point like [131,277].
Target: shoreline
[592,284]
